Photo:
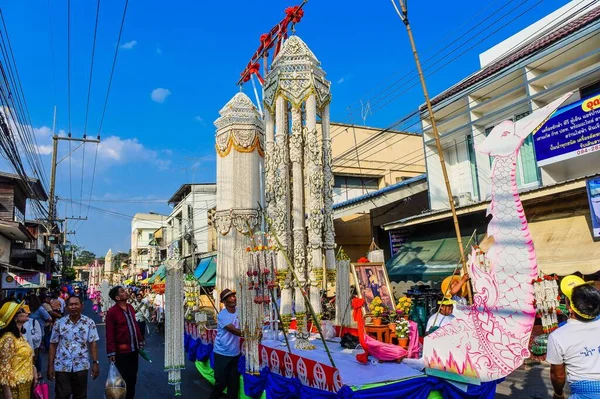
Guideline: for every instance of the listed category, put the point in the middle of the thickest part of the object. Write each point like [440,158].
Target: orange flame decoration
[468,369]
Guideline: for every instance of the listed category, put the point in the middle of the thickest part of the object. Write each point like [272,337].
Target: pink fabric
[383,351]
[42,391]
[413,344]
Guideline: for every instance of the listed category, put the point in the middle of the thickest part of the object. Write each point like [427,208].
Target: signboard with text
[23,280]
[397,239]
[574,130]
[593,189]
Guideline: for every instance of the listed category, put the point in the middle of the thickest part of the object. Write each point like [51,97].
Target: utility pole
[55,139]
[403,14]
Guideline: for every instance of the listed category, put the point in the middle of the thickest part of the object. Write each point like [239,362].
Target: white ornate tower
[239,145]
[299,182]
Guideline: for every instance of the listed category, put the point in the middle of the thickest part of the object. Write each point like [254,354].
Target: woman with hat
[17,372]
[573,350]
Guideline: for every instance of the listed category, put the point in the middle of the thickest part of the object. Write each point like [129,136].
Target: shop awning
[565,245]
[203,266]
[160,272]
[209,276]
[422,259]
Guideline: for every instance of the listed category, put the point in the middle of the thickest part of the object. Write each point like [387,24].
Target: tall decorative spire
[239,144]
[298,176]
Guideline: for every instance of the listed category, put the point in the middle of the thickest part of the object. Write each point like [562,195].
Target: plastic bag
[328,329]
[115,387]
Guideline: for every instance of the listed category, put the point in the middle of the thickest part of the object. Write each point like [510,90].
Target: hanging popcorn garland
[257,283]
[547,300]
[191,294]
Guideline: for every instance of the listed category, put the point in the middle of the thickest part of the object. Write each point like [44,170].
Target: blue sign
[572,131]
[593,189]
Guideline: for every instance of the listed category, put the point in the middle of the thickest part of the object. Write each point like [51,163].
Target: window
[473,165]
[402,178]
[150,236]
[18,215]
[590,90]
[527,170]
[348,187]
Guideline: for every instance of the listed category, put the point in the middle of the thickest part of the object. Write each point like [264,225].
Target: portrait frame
[372,279]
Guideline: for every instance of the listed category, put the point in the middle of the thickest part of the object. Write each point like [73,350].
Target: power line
[112,71]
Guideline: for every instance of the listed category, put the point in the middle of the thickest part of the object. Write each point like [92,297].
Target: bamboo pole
[403,14]
[304,295]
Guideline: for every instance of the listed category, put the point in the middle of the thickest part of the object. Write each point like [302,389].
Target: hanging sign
[23,280]
[593,190]
[573,130]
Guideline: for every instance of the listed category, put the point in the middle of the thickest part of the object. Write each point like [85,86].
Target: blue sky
[179,64]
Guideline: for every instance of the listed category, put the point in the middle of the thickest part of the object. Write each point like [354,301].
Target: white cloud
[115,150]
[128,45]
[158,50]
[159,95]
[44,149]
[199,119]
[341,80]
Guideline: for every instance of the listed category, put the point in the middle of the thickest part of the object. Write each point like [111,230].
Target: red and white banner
[310,372]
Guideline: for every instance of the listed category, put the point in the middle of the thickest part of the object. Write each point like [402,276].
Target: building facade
[558,54]
[143,227]
[376,180]
[188,229]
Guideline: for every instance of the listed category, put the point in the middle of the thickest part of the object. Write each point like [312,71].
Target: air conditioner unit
[462,199]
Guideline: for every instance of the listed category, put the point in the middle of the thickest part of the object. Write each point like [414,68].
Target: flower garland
[547,300]
[257,283]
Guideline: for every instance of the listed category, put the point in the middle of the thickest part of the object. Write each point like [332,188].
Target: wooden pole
[403,14]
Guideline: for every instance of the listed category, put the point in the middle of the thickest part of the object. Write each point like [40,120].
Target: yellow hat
[26,309]
[8,312]
[447,283]
[568,284]
[447,301]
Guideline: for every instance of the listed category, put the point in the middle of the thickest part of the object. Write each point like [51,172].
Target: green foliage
[68,273]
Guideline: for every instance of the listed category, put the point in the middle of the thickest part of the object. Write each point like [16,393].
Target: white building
[557,54]
[189,230]
[143,227]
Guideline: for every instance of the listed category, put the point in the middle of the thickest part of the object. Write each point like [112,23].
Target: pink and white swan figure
[489,339]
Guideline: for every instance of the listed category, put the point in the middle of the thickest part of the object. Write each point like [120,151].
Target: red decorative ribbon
[357,304]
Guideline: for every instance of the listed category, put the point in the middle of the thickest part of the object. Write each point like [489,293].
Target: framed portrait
[371,281]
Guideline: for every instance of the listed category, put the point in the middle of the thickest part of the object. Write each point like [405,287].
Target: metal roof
[521,53]
[380,192]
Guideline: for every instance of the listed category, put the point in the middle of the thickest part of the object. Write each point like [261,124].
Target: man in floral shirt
[72,340]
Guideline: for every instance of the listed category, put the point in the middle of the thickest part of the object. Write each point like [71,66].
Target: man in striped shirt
[123,338]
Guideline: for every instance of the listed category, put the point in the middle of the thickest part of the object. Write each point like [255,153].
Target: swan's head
[502,141]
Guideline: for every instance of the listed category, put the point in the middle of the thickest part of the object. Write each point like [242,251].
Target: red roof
[523,52]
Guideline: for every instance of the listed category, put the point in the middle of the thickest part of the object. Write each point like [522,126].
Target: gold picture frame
[372,280]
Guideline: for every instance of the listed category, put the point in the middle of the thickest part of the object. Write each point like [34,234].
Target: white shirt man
[442,317]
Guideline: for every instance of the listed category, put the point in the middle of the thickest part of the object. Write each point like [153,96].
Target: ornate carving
[239,218]
[296,74]
[223,221]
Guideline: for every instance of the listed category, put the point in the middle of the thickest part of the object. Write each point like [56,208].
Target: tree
[68,273]
[84,257]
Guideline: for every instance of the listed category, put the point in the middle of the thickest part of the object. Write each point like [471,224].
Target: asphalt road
[152,379]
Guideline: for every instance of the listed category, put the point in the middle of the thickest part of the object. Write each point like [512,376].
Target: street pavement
[531,381]
[152,379]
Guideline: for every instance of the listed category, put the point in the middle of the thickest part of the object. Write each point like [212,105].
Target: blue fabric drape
[279,387]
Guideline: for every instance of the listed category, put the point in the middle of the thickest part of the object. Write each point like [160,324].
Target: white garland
[174,323]
[257,282]
[546,301]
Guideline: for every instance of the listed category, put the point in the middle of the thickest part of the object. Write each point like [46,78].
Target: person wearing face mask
[17,372]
